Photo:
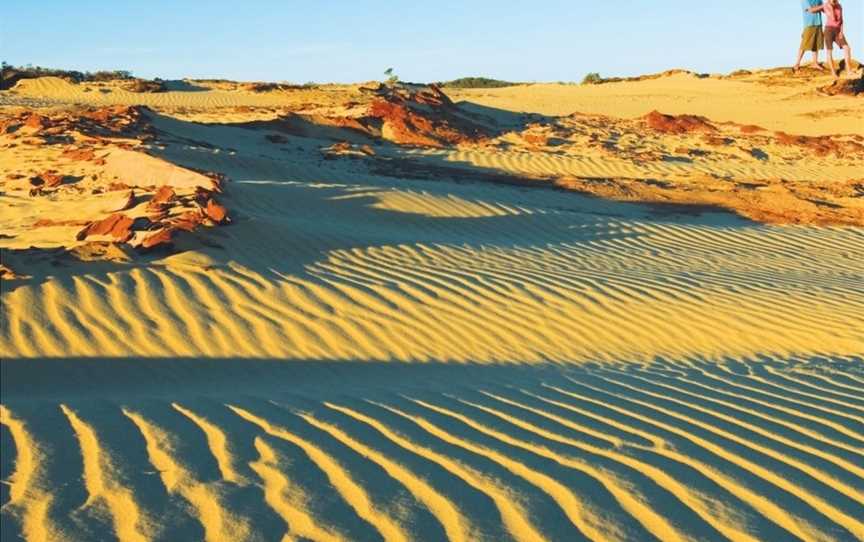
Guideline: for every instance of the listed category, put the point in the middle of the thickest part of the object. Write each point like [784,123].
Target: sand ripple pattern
[696,450]
[481,275]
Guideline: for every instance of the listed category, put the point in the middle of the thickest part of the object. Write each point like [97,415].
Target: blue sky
[355,40]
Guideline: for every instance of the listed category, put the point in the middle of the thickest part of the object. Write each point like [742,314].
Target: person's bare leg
[815,62]
[829,52]
[798,61]
[847,52]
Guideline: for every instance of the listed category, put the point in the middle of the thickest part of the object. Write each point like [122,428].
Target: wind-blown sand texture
[368,314]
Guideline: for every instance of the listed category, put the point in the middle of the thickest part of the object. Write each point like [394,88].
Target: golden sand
[366,353]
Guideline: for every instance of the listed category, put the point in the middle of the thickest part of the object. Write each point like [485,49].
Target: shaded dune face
[427,331]
[762,449]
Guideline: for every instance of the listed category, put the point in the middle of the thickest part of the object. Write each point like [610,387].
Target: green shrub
[592,78]
[143,85]
[476,82]
[392,78]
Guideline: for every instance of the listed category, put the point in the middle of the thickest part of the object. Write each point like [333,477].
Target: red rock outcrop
[162,237]
[131,121]
[80,135]
[82,155]
[216,212]
[117,225]
[48,179]
[36,121]
[751,129]
[165,194]
[822,145]
[680,124]
[188,221]
[423,117]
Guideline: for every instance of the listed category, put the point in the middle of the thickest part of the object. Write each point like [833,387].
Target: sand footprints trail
[605,452]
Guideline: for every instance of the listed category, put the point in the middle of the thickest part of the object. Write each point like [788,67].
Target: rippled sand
[361,356]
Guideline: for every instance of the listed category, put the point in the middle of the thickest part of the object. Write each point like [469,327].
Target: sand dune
[54,89]
[690,450]
[550,281]
[404,343]
[793,106]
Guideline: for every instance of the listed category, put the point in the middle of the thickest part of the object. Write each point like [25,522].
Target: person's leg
[815,62]
[807,37]
[798,61]
[847,52]
[829,52]
[818,43]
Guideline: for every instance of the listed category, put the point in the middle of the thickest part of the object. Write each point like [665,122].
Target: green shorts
[812,38]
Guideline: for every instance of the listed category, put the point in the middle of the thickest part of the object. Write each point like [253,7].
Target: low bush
[9,74]
[592,78]
[144,85]
[476,82]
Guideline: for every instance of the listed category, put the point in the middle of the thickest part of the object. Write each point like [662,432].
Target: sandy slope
[796,108]
[363,356]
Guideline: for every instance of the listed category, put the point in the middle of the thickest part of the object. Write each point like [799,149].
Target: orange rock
[79,154]
[117,186]
[536,139]
[118,226]
[681,124]
[216,212]
[165,194]
[751,129]
[188,221]
[405,127]
[434,96]
[36,121]
[161,237]
[821,145]
[47,180]
[51,179]
[425,118]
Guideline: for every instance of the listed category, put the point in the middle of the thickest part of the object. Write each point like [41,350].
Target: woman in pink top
[834,34]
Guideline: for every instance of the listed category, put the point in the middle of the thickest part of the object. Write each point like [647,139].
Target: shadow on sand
[553,435]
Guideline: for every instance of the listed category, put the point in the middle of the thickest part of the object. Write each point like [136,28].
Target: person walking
[812,38]
[834,34]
